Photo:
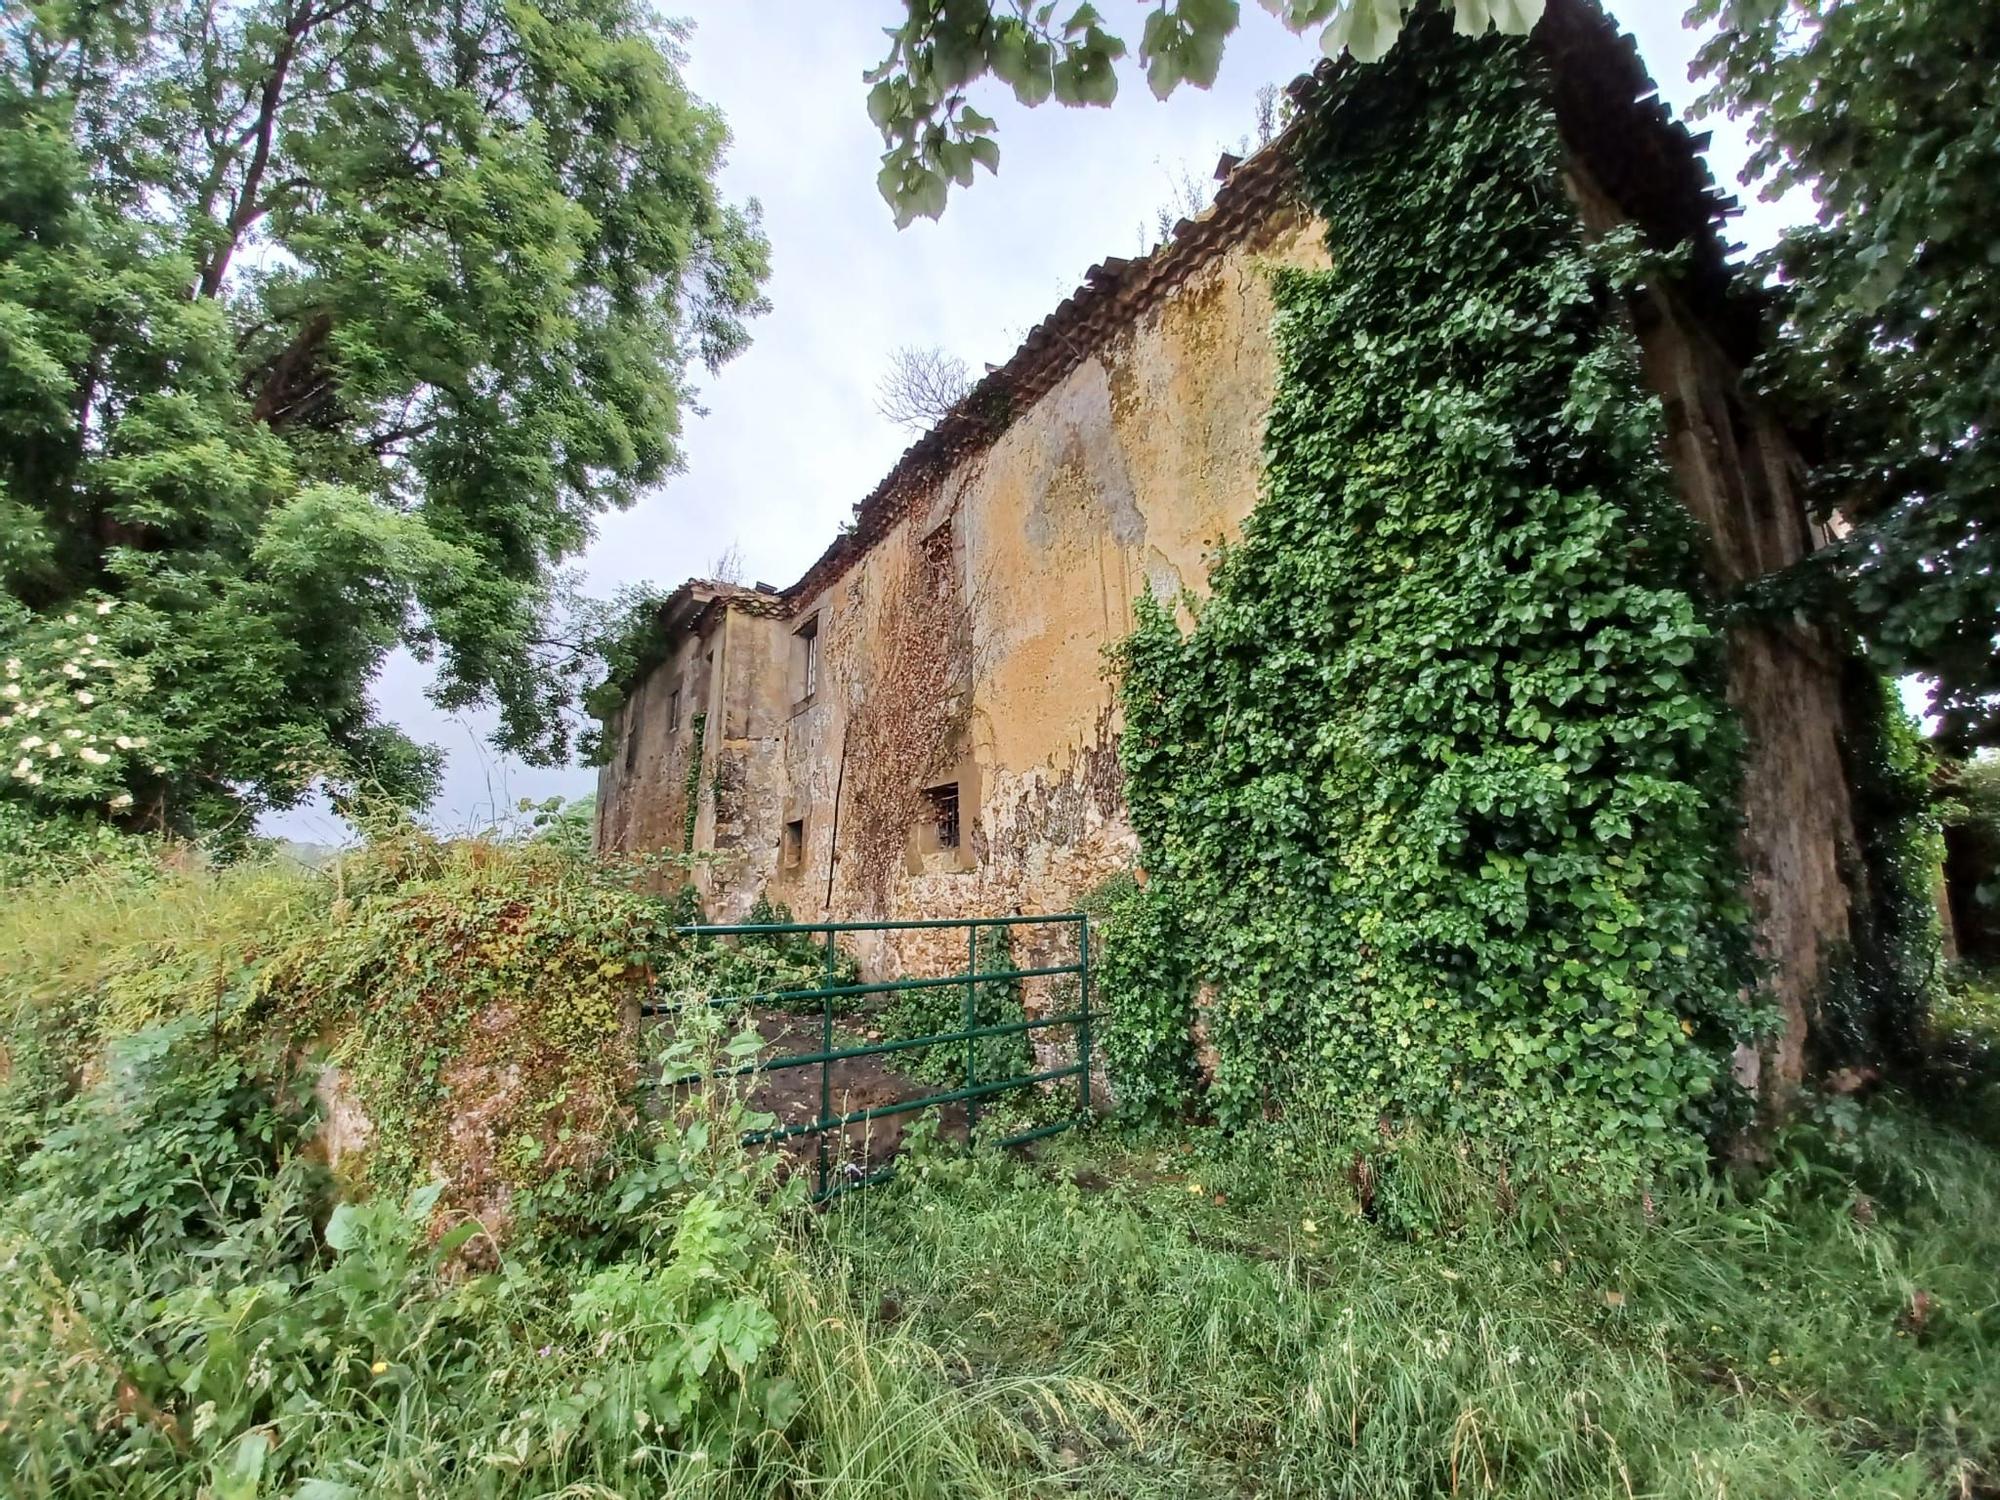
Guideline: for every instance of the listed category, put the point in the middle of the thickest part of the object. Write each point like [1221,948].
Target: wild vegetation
[193,1299]
[1438,790]
[212,1279]
[327,328]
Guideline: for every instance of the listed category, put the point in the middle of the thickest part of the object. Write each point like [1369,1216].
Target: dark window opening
[674,710]
[795,842]
[938,561]
[944,813]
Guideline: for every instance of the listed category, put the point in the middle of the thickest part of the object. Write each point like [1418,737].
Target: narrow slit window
[938,561]
[794,843]
[674,710]
[943,802]
[805,652]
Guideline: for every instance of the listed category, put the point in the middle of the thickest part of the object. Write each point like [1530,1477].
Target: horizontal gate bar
[881,1112]
[1035,1135]
[884,987]
[883,1174]
[751,929]
[874,1049]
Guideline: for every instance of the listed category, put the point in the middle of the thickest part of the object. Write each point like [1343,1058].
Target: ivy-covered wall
[1438,790]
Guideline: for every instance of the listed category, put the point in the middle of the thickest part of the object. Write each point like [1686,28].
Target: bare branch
[922,387]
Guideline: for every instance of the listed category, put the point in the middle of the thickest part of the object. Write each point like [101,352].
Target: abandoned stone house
[923,724]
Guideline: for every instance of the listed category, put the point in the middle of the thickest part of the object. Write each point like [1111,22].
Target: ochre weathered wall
[964,644]
[641,803]
[967,645]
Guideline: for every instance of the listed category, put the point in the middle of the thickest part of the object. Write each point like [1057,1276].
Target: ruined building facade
[925,724]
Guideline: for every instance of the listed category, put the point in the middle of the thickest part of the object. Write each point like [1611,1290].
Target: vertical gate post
[971,1022]
[1083,1026]
[825,1062]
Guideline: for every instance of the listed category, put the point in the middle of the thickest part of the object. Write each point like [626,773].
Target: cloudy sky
[789,437]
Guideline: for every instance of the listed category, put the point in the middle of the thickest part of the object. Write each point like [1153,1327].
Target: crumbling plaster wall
[744,782]
[1124,476]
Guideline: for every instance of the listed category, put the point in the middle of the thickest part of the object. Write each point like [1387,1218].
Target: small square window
[943,802]
[794,848]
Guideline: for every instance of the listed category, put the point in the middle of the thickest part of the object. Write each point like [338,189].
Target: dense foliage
[328,326]
[190,1299]
[1436,796]
[477,1000]
[191,1302]
[942,48]
[1888,113]
[1877,996]
[1972,859]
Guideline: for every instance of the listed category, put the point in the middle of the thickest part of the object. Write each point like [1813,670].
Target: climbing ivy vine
[691,792]
[1436,794]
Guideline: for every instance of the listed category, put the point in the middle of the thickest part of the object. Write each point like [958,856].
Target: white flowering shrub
[77,730]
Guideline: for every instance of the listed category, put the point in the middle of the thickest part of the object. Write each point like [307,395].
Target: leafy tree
[328,326]
[1889,112]
[920,99]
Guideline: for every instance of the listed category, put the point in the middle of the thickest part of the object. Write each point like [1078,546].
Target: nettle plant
[1437,796]
[72,729]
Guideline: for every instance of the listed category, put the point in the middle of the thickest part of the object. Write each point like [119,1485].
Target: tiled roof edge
[1115,293]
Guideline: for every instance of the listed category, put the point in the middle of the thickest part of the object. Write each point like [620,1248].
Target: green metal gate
[972,1091]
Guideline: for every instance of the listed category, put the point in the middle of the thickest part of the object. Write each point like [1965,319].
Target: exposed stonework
[959,628]
[964,645]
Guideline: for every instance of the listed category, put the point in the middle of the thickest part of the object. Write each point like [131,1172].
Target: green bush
[172,1264]
[191,1303]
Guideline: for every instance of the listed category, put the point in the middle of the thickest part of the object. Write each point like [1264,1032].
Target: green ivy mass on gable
[1437,795]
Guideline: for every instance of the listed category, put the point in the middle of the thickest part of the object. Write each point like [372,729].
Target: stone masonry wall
[1123,477]
[966,645]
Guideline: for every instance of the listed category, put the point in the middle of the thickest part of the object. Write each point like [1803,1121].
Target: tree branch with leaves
[329,327]
[1888,112]
[935,138]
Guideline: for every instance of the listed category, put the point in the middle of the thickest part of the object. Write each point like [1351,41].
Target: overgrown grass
[190,1304]
[1832,1329]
